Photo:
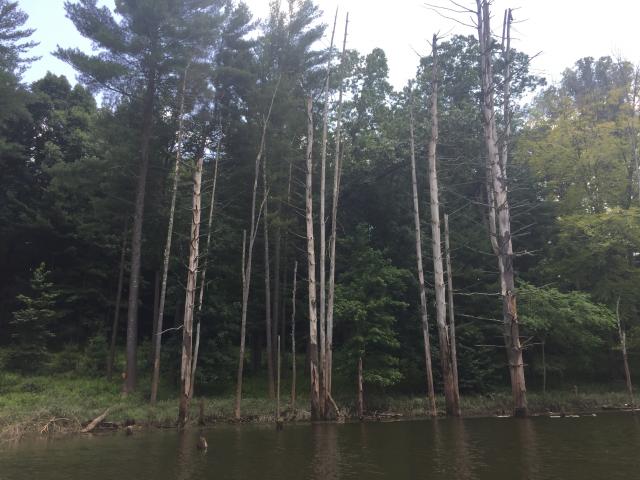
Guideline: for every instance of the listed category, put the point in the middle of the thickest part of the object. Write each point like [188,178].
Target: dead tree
[293,337]
[452,398]
[498,197]
[323,225]
[623,346]
[157,339]
[423,291]
[452,316]
[247,263]
[334,225]
[203,273]
[311,268]
[190,298]
[116,313]
[267,281]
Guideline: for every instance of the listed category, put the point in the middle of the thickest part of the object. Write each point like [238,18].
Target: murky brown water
[603,447]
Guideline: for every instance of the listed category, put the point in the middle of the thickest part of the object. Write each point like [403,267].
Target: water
[602,447]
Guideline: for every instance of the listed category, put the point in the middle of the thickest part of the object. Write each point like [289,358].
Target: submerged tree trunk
[247,262]
[311,262]
[452,317]
[293,337]
[157,340]
[623,347]
[190,298]
[451,399]
[334,224]
[130,378]
[116,313]
[267,283]
[497,164]
[423,291]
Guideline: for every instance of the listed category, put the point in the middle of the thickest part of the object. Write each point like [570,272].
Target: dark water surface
[603,447]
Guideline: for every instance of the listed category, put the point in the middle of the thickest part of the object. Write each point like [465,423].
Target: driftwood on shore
[95,422]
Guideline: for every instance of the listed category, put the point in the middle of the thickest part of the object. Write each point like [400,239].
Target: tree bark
[157,340]
[451,399]
[623,347]
[360,396]
[334,223]
[423,291]
[267,283]
[323,226]
[278,384]
[452,317]
[130,380]
[190,298]
[316,413]
[156,303]
[293,337]
[498,181]
[116,313]
[246,267]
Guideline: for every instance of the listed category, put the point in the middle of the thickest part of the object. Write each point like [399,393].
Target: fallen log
[95,422]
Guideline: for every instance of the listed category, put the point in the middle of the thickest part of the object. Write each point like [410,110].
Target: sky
[559,32]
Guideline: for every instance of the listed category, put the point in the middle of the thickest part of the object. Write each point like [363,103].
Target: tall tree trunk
[497,167]
[278,384]
[423,291]
[190,298]
[157,340]
[203,274]
[360,386]
[334,223]
[323,225]
[452,316]
[156,304]
[623,347]
[246,267]
[451,399]
[316,413]
[267,283]
[293,337]
[130,380]
[116,313]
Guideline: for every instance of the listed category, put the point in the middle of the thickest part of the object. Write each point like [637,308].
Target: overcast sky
[562,31]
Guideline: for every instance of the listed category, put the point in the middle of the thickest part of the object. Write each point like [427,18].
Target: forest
[227,207]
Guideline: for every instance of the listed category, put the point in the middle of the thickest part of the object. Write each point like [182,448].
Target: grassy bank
[44,405]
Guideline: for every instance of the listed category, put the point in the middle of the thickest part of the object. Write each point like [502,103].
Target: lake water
[603,447]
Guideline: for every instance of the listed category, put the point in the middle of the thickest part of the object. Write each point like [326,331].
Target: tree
[31,324]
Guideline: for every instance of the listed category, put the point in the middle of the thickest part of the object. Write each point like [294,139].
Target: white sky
[561,30]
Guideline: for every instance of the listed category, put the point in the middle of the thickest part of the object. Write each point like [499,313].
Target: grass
[45,405]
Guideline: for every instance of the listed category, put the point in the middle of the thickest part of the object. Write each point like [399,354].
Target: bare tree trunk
[116,313]
[623,347]
[156,304]
[130,380]
[190,298]
[452,317]
[278,384]
[323,225]
[203,274]
[267,284]
[316,413]
[293,337]
[334,224]
[423,291]
[157,340]
[497,165]
[451,399]
[360,397]
[544,368]
[246,267]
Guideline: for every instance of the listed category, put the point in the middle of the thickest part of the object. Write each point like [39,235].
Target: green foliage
[33,322]
[366,309]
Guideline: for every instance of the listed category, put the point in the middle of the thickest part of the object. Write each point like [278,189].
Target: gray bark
[452,317]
